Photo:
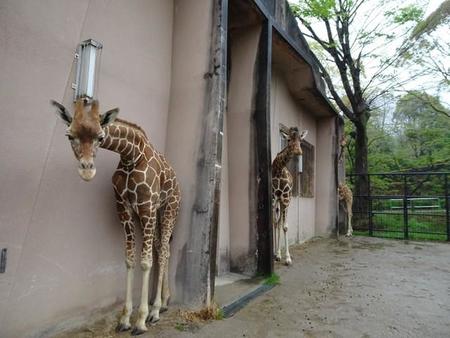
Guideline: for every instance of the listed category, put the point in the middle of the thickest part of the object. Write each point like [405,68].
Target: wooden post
[261,117]
[202,242]
[447,207]
[405,207]
[370,206]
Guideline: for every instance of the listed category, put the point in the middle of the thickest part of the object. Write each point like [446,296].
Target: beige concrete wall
[190,63]
[285,110]
[244,47]
[326,187]
[65,244]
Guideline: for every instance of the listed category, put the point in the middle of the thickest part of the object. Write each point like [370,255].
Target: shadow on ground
[359,287]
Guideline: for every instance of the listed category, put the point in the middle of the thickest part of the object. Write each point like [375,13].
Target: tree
[430,52]
[423,133]
[362,48]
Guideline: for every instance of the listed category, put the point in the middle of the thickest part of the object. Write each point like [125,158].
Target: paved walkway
[360,287]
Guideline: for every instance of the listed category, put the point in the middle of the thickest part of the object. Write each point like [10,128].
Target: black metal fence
[404,206]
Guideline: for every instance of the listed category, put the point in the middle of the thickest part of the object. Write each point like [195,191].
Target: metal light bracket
[87,59]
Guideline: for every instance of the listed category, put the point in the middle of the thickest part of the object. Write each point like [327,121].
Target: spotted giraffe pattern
[345,195]
[144,184]
[282,184]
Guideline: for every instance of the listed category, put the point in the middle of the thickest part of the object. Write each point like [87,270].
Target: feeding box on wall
[87,69]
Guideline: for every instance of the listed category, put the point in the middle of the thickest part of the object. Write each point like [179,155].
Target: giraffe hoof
[122,327]
[163,309]
[136,331]
[288,262]
[277,259]
[152,320]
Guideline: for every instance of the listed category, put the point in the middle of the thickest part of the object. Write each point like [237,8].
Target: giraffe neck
[127,140]
[281,160]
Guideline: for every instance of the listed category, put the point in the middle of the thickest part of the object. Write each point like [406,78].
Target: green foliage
[182,327]
[406,14]
[220,314]
[439,17]
[423,134]
[392,226]
[273,279]
[319,9]
[407,136]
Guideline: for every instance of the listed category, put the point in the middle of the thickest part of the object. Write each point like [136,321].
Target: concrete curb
[231,308]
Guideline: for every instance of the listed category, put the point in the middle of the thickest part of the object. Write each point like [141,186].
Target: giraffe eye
[70,137]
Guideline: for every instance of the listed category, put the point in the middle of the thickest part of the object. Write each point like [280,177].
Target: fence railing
[403,205]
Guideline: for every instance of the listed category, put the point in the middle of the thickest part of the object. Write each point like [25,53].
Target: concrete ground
[359,287]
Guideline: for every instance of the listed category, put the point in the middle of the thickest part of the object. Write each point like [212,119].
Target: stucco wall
[326,187]
[285,110]
[191,62]
[65,244]
[240,151]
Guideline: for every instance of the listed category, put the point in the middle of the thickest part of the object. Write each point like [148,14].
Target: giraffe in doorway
[345,195]
[282,184]
[143,183]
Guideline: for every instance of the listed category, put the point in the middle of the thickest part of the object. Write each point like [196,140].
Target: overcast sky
[375,13]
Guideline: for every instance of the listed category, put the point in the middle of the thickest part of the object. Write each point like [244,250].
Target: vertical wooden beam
[222,42]
[261,117]
[200,263]
[447,207]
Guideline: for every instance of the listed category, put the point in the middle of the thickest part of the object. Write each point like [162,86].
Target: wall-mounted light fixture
[300,163]
[87,69]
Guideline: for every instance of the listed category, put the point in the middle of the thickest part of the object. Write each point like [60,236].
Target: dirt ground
[359,287]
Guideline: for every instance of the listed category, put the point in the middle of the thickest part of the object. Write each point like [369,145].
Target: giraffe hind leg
[167,224]
[165,291]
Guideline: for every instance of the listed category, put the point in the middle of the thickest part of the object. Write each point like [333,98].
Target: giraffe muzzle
[86,170]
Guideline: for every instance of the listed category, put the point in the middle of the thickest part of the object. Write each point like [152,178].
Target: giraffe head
[294,141]
[86,130]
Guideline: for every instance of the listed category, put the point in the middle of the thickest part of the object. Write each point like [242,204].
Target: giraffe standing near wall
[143,183]
[345,195]
[282,184]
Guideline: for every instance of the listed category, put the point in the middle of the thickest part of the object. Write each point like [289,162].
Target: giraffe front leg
[350,229]
[128,227]
[278,247]
[148,222]
[286,239]
[277,231]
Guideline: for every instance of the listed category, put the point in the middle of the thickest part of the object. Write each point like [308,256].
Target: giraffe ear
[303,135]
[62,112]
[108,117]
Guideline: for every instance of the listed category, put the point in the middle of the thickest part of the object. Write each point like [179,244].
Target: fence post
[447,211]
[405,207]
[370,206]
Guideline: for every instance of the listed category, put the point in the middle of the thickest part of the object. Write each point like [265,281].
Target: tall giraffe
[345,195]
[143,183]
[282,183]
